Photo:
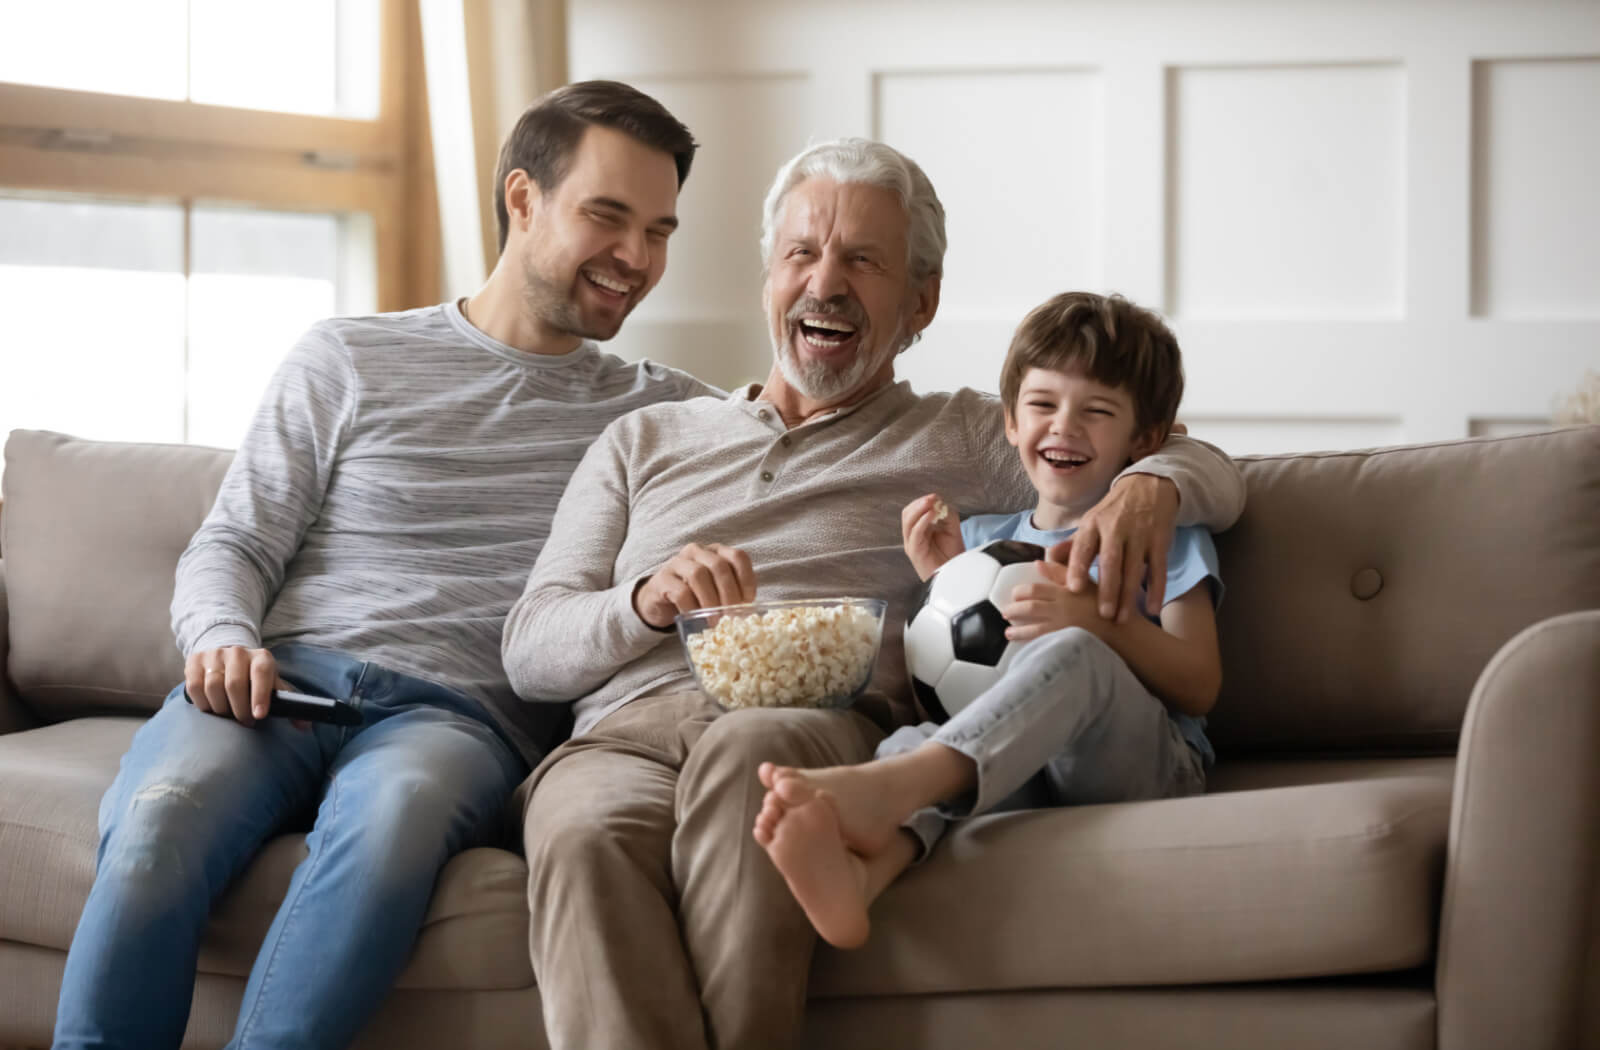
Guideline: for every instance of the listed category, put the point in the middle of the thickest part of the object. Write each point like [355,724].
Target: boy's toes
[793,788]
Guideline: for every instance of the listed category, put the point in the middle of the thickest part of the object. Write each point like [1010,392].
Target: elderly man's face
[838,297]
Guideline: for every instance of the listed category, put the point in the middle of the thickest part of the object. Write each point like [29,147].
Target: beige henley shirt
[816,507]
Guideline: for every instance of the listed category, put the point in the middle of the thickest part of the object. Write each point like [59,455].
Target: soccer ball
[956,645]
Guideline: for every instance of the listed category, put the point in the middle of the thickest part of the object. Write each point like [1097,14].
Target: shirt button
[766,475]
[784,441]
[763,415]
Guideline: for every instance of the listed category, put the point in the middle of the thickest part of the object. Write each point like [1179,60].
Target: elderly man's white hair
[873,163]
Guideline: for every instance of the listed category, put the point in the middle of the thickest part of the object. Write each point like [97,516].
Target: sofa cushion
[1373,587]
[92,531]
[1272,884]
[475,934]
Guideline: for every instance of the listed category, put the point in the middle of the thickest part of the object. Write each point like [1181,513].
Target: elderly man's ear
[922,314]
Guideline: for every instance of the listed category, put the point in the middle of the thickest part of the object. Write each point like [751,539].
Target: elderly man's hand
[697,577]
[1131,529]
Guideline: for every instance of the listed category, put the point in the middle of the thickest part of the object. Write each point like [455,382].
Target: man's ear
[522,199]
[927,305]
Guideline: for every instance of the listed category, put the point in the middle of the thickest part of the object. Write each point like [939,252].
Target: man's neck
[796,408]
[497,312]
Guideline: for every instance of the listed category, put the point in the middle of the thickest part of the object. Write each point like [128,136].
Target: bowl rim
[879,605]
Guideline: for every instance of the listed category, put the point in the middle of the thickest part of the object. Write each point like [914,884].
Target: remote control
[286,703]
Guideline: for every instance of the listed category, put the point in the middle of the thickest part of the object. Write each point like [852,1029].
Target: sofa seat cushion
[1269,884]
[51,781]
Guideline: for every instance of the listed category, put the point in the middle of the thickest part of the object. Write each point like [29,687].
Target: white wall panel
[1247,436]
[1018,160]
[1536,199]
[1368,222]
[1287,191]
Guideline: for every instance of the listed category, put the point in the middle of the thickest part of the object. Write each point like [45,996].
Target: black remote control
[286,703]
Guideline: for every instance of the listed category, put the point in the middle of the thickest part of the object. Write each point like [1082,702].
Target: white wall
[1370,222]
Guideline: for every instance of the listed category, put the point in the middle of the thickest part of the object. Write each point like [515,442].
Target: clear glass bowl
[809,652]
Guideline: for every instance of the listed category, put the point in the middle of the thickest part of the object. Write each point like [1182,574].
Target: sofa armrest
[13,715]
[1524,847]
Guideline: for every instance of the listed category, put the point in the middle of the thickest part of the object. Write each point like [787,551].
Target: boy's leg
[413,787]
[1070,706]
[194,798]
[1066,694]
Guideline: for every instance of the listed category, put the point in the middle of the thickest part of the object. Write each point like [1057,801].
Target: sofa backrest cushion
[91,532]
[1367,590]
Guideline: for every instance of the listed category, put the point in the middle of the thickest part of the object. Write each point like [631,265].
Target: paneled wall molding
[1367,222]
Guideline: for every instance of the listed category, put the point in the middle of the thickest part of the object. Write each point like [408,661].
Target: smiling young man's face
[1074,435]
[597,241]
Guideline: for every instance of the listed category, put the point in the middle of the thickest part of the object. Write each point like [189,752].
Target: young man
[1098,711]
[374,528]
[655,919]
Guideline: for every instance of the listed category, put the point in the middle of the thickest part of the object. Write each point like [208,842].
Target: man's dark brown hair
[547,135]
[1108,339]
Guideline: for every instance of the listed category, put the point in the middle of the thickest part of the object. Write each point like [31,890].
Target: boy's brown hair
[548,132]
[1108,339]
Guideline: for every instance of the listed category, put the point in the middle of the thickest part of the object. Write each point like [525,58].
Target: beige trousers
[657,920]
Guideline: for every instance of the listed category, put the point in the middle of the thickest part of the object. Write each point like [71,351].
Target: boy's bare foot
[772,810]
[827,879]
[866,807]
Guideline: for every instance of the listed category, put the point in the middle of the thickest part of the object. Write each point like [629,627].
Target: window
[185,185]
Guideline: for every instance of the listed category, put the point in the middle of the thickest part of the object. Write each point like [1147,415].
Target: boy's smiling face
[1074,435]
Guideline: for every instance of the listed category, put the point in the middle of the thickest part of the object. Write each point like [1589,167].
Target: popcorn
[798,656]
[941,511]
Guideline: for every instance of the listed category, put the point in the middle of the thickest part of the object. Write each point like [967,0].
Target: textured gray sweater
[393,490]
[816,507]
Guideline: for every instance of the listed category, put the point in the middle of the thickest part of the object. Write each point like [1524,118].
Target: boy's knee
[1073,643]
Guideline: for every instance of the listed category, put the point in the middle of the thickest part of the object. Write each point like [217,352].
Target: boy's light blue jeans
[424,776]
[1068,724]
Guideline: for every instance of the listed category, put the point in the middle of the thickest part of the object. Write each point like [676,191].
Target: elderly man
[656,919]
[372,531]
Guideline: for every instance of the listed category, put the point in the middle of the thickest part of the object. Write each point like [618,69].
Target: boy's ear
[1011,429]
[1149,441]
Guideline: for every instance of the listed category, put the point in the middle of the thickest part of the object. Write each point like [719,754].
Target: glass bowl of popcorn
[810,652]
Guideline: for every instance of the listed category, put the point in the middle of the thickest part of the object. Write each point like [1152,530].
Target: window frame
[57,140]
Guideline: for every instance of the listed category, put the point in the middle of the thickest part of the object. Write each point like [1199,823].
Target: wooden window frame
[57,140]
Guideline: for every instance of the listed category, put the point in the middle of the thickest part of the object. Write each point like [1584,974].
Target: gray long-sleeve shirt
[395,486]
[816,507]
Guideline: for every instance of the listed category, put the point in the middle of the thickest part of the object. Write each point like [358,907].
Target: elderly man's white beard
[816,381]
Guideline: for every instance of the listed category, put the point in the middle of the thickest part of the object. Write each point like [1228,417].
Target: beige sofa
[1400,847]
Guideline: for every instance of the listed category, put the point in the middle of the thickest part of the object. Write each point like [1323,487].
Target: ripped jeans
[424,776]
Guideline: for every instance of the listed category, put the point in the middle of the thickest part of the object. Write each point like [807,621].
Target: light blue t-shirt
[1191,561]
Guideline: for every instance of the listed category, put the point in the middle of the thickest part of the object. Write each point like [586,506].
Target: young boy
[1090,710]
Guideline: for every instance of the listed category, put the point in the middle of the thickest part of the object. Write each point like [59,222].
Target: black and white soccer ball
[956,645]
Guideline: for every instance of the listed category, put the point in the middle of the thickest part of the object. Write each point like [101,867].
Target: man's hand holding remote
[233,681]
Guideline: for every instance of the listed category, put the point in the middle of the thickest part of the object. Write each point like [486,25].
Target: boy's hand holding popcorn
[1038,608]
[697,577]
[931,534]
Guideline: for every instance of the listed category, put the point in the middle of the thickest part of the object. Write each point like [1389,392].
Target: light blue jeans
[1068,724]
[424,776]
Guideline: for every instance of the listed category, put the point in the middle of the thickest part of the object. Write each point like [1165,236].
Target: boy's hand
[1039,608]
[1131,529]
[696,578]
[931,534]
